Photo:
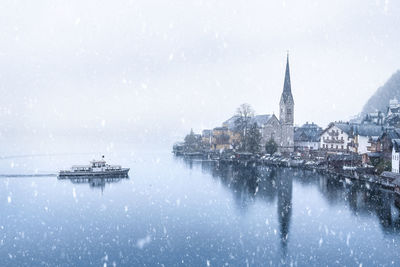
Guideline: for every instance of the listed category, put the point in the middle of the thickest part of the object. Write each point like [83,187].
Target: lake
[179,212]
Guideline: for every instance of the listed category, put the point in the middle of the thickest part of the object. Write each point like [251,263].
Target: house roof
[397,181]
[391,133]
[368,130]
[344,126]
[308,133]
[220,129]
[390,175]
[206,133]
[260,120]
[357,129]
[396,144]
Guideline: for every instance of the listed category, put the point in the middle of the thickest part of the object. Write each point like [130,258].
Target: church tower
[286,114]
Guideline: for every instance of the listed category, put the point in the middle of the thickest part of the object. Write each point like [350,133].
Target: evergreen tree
[271,146]
[253,139]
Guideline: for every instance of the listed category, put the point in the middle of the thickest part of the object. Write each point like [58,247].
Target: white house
[307,137]
[337,137]
[362,134]
[349,137]
[396,155]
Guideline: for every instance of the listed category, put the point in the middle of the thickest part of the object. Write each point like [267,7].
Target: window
[342,147]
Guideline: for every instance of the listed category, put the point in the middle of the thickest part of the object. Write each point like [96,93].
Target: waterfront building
[363,134]
[349,137]
[337,138]
[307,137]
[396,156]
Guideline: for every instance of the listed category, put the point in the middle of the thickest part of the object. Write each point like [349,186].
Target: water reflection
[95,182]
[285,184]
[270,184]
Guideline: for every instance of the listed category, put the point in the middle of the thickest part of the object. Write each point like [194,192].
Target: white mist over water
[148,71]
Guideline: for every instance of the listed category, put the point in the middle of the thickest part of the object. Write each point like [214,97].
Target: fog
[149,71]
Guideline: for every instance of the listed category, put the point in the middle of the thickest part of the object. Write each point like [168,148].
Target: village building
[268,125]
[393,114]
[363,134]
[376,118]
[349,137]
[206,138]
[222,139]
[386,142]
[396,156]
[307,137]
[337,138]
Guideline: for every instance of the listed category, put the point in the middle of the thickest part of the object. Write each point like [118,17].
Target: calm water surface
[173,211]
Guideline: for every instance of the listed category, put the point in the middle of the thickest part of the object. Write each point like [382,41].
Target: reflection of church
[250,182]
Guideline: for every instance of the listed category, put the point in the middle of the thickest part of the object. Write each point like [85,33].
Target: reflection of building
[272,185]
[285,184]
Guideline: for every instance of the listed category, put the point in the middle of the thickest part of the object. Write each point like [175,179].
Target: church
[282,130]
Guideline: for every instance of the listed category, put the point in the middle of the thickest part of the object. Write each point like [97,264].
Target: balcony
[333,133]
[333,141]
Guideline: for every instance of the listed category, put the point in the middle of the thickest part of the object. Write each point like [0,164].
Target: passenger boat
[97,168]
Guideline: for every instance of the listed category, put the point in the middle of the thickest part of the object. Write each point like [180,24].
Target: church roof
[260,120]
[287,88]
[345,127]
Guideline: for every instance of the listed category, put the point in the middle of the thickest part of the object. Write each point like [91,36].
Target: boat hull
[106,174]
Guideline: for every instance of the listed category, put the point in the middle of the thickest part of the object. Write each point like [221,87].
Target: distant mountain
[380,99]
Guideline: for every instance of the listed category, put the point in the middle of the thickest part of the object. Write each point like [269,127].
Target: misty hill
[380,99]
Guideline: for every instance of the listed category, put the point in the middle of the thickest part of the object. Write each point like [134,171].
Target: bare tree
[244,114]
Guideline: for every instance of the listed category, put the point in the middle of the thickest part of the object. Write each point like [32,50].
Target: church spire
[287,88]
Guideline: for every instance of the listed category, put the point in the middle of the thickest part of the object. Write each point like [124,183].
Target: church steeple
[287,88]
[287,104]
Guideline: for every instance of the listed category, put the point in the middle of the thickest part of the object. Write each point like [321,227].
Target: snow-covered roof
[309,132]
[260,120]
[396,144]
[368,130]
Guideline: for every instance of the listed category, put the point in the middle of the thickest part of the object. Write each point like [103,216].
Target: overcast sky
[162,67]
